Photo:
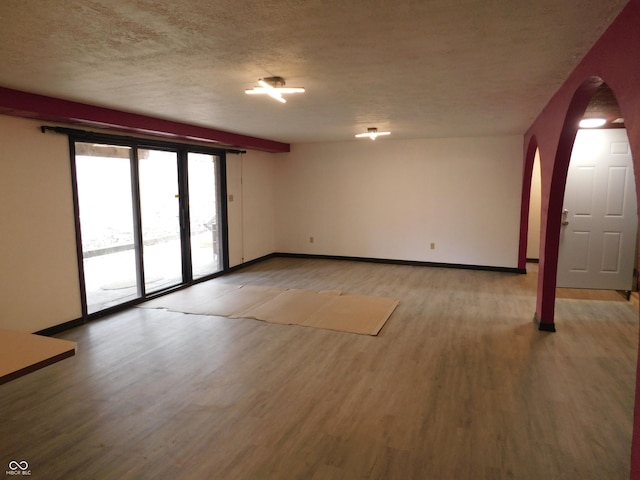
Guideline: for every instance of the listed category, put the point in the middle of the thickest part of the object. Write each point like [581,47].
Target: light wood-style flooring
[459,384]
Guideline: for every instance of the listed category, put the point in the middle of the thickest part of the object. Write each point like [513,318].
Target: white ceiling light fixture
[274,87]
[372,133]
[592,122]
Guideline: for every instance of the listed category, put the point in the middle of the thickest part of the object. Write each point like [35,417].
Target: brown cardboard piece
[355,313]
[196,299]
[331,310]
[291,307]
[241,299]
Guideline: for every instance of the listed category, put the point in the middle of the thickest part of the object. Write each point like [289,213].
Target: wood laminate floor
[459,384]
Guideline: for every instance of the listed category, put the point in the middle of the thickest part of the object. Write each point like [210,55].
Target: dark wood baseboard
[402,262]
[250,262]
[50,331]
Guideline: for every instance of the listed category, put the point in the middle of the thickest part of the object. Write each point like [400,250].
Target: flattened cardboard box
[331,310]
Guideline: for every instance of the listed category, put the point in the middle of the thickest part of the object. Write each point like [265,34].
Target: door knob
[565,212]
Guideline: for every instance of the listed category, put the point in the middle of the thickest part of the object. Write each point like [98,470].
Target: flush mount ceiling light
[592,122]
[274,87]
[372,133]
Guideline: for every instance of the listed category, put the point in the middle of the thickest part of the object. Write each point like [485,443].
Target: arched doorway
[584,104]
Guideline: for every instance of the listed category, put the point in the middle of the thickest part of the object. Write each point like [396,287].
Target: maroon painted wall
[30,105]
[614,59]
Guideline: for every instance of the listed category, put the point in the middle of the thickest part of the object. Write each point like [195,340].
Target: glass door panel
[149,219]
[105,204]
[160,219]
[204,215]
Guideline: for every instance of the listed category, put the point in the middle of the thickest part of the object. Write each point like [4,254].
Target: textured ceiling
[420,68]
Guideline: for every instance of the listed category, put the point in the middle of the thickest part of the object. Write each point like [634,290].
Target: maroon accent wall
[614,59]
[29,105]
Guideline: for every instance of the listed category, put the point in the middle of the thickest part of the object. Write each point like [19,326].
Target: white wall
[38,265]
[234,209]
[250,185]
[391,199]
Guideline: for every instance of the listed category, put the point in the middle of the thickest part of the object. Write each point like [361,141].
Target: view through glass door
[103,175]
[160,215]
[144,227]
[204,214]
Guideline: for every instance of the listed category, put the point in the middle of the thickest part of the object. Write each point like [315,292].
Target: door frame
[182,150]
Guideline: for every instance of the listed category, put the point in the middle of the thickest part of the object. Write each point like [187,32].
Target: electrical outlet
[433,246]
[310,239]
[231,197]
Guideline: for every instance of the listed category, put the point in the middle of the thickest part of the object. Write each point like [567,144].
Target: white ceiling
[420,68]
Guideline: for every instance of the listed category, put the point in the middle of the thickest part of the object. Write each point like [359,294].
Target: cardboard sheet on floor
[331,310]
[241,299]
[196,299]
[291,307]
[22,353]
[359,313]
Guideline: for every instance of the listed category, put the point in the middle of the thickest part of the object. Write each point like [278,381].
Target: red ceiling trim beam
[29,105]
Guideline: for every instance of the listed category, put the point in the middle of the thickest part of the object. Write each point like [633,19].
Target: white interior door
[599,221]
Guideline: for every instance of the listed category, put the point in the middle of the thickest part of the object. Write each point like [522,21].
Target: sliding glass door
[204,224]
[160,216]
[149,219]
[106,210]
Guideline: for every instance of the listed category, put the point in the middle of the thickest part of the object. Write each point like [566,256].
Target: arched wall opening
[597,250]
[556,182]
[613,58]
[545,308]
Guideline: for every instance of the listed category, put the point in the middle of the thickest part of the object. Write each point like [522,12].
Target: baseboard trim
[533,260]
[249,262]
[48,332]
[414,263]
[544,326]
